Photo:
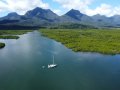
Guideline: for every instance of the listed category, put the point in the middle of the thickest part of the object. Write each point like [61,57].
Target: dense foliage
[71,26]
[94,40]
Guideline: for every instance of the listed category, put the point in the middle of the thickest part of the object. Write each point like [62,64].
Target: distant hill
[39,17]
[11,16]
[71,26]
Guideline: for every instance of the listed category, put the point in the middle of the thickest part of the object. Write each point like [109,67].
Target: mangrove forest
[90,40]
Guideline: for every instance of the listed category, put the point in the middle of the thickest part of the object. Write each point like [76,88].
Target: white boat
[53,65]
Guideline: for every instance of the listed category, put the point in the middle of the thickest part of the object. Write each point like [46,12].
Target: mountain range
[39,17]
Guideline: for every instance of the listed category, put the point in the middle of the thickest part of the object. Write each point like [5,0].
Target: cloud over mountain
[20,6]
[84,7]
[89,7]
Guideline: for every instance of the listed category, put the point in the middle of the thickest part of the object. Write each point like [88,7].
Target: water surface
[21,64]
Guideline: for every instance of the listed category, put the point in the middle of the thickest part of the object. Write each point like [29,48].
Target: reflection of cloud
[8,45]
[24,44]
[21,46]
[89,56]
[56,49]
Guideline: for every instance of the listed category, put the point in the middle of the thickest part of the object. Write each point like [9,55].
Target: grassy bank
[94,40]
[11,34]
[9,37]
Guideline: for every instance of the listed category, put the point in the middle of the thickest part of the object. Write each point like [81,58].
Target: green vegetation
[93,40]
[11,34]
[9,37]
[71,26]
[2,45]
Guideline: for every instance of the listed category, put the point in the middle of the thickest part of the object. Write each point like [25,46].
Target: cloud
[76,4]
[84,7]
[57,11]
[21,6]
[104,9]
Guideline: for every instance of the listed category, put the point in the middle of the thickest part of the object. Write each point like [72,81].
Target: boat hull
[52,65]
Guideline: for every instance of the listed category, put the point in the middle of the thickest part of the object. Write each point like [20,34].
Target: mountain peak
[39,16]
[98,16]
[76,14]
[43,14]
[38,12]
[116,16]
[12,14]
[73,11]
[35,12]
[37,9]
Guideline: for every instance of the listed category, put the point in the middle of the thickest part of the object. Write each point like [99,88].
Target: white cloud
[76,4]
[84,7]
[104,9]
[21,6]
[57,11]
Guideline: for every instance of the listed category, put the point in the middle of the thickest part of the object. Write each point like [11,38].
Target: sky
[60,7]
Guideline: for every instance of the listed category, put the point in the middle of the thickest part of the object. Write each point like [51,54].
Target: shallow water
[21,64]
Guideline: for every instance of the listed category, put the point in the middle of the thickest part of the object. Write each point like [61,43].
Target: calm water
[21,64]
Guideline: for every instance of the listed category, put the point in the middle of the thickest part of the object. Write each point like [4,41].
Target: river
[21,63]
